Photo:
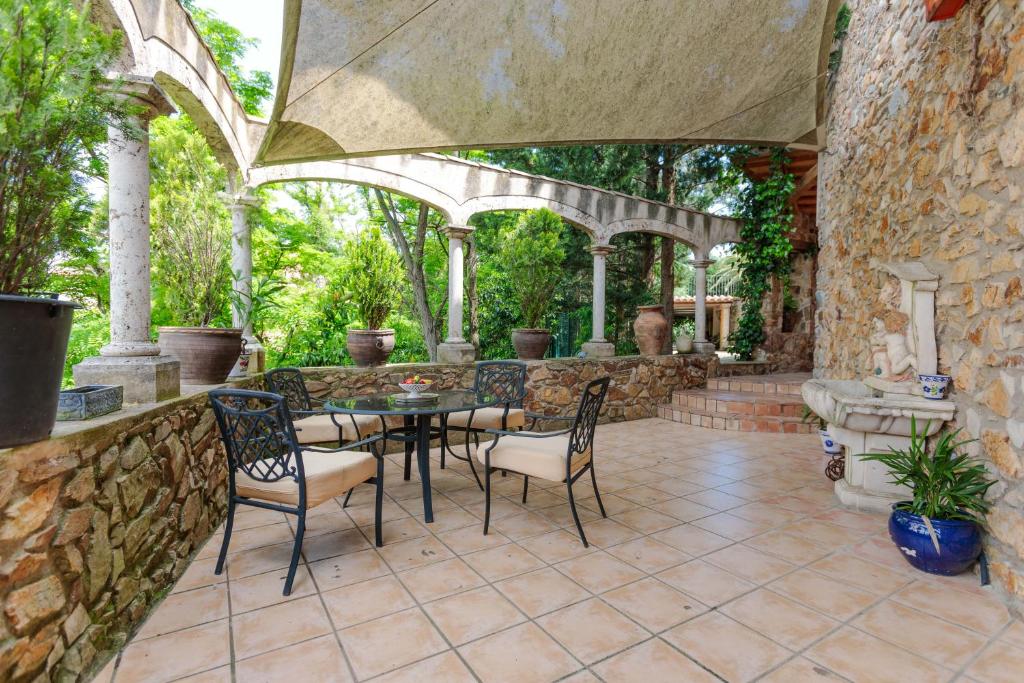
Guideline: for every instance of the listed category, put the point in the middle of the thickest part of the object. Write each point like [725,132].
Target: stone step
[735,422]
[787,384]
[739,403]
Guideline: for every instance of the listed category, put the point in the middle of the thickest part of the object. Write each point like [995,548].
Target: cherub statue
[891,358]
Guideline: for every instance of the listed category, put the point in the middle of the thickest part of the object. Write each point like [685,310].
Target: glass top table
[417,416]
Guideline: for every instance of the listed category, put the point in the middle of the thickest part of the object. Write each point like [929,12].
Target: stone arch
[691,237]
[571,214]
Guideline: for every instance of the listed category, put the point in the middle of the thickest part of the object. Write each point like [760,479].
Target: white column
[598,346]
[700,294]
[725,325]
[241,275]
[131,359]
[455,348]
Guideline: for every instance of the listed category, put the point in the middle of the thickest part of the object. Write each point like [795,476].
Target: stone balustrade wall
[925,161]
[97,524]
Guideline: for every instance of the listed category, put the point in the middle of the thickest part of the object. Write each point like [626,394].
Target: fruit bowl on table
[415,389]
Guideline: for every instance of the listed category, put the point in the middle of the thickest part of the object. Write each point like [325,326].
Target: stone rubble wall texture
[96,526]
[925,161]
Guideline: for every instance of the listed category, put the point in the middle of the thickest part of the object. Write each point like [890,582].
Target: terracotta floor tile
[677,487]
[706,582]
[788,547]
[644,495]
[692,540]
[613,504]
[765,512]
[473,614]
[828,535]
[319,660]
[726,647]
[719,500]
[555,546]
[652,662]
[445,667]
[390,642]
[326,523]
[182,610]
[413,553]
[781,619]
[542,591]
[591,630]
[259,560]
[471,538]
[522,654]
[221,674]
[862,657]
[1014,634]
[653,604]
[523,526]
[502,562]
[824,594]
[456,518]
[440,579]
[646,521]
[861,573]
[683,509]
[599,572]
[750,564]
[334,543]
[999,663]
[199,573]
[608,532]
[800,670]
[731,526]
[263,590]
[159,659]
[246,539]
[364,515]
[344,570]
[398,530]
[925,635]
[366,601]
[982,613]
[648,555]
[272,627]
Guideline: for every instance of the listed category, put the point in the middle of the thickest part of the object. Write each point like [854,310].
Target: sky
[260,19]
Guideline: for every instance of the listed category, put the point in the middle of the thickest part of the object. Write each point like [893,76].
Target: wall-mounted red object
[940,10]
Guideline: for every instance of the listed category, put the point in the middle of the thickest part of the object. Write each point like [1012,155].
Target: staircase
[746,403]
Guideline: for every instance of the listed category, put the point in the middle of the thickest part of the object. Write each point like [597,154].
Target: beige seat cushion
[327,475]
[543,458]
[490,418]
[320,428]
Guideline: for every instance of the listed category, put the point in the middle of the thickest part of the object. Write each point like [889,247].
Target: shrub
[533,258]
[372,277]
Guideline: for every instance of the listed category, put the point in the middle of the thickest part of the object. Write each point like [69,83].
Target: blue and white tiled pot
[934,386]
[828,443]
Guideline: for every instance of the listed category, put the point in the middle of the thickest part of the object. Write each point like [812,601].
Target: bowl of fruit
[415,386]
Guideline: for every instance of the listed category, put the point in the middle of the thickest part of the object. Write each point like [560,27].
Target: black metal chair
[269,469]
[312,423]
[503,378]
[562,455]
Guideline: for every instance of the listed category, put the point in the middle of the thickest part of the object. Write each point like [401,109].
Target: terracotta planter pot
[651,330]
[370,347]
[206,354]
[531,344]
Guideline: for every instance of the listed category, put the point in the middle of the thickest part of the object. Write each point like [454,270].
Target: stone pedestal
[456,352]
[703,347]
[146,379]
[599,349]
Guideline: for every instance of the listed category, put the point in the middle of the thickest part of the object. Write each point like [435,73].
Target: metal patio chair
[563,455]
[269,469]
[312,423]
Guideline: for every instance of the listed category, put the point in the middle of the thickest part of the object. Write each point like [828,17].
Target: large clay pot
[206,354]
[651,330]
[33,343]
[370,347]
[531,344]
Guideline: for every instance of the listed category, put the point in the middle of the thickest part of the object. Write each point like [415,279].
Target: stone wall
[925,161]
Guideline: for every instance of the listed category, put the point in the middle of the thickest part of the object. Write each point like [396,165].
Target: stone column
[455,349]
[131,359]
[598,346]
[700,296]
[725,325]
[241,270]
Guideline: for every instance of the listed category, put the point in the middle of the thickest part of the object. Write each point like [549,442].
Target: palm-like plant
[946,483]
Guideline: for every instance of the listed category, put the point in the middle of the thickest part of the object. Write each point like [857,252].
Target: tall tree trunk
[668,250]
[472,265]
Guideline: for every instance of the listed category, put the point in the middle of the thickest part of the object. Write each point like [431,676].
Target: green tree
[372,277]
[533,257]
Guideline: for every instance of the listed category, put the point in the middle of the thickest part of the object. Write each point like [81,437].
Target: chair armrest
[529,435]
[349,446]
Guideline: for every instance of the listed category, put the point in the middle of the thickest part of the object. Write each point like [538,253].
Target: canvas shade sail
[369,77]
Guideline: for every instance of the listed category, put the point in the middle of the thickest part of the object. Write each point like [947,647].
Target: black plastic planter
[33,344]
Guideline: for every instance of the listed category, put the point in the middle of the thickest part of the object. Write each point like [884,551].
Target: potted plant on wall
[533,258]
[372,278]
[55,112]
[939,530]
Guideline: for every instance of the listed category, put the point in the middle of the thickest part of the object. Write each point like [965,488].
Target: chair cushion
[327,475]
[489,418]
[320,428]
[543,458]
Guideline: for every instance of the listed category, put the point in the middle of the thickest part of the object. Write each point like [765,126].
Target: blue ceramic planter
[959,540]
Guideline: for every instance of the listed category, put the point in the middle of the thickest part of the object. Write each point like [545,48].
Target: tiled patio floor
[724,557]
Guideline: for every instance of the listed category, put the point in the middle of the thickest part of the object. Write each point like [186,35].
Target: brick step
[787,384]
[735,422]
[723,403]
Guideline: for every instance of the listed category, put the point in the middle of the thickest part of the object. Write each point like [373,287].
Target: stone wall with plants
[925,161]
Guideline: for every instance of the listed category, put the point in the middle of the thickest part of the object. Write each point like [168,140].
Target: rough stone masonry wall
[925,160]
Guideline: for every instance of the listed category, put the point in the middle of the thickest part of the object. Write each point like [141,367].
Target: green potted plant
[533,258]
[372,278]
[939,529]
[54,115]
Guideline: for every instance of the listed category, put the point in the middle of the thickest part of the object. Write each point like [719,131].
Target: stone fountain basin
[850,404]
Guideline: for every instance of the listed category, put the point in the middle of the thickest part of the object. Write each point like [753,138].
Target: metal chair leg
[378,504]
[526,483]
[575,515]
[347,496]
[597,494]
[227,538]
[487,497]
[295,553]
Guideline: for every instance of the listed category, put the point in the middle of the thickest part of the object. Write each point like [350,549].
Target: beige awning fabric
[362,78]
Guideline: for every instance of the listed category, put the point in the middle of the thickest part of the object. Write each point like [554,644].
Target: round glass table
[418,415]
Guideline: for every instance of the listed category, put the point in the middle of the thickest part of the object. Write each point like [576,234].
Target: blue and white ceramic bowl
[934,386]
